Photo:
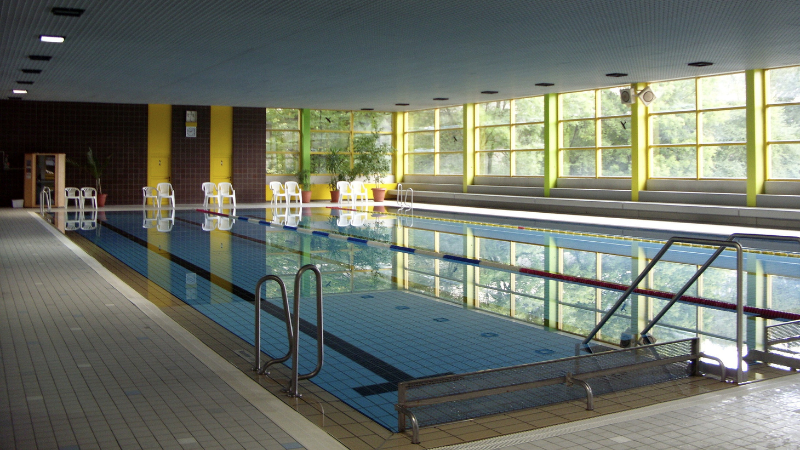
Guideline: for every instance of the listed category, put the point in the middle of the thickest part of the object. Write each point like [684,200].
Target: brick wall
[249,154]
[190,156]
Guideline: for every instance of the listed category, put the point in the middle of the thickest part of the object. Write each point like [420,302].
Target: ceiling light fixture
[700,64]
[19,91]
[402,104]
[616,74]
[545,84]
[368,109]
[39,57]
[31,70]
[489,92]
[439,99]
[24,82]
[69,12]
[52,39]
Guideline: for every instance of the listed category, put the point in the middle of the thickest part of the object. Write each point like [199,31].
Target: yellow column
[469,277]
[550,142]
[159,144]
[469,146]
[220,262]
[638,146]
[756,155]
[221,142]
[399,143]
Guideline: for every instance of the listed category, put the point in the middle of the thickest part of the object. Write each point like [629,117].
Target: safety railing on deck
[782,345]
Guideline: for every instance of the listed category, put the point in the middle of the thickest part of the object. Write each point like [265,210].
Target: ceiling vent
[68,12]
[39,57]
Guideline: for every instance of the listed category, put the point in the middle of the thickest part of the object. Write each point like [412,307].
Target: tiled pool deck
[95,356]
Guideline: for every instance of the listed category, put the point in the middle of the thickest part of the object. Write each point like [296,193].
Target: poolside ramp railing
[451,398]
[782,345]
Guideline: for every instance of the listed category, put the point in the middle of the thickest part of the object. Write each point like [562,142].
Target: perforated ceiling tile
[354,54]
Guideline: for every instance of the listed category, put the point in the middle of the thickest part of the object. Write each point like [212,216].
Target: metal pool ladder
[402,197]
[292,328]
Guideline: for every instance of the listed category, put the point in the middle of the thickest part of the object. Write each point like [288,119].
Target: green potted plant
[372,161]
[95,167]
[337,165]
[304,180]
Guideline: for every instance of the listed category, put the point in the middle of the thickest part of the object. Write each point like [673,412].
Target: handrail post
[257,340]
[296,377]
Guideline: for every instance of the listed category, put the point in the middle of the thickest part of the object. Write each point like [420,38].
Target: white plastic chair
[225,190]
[278,192]
[210,222]
[279,215]
[211,193]
[358,219]
[292,189]
[165,191]
[226,223]
[89,223]
[74,194]
[293,220]
[164,224]
[149,192]
[358,190]
[344,219]
[344,191]
[89,193]
[149,218]
[72,222]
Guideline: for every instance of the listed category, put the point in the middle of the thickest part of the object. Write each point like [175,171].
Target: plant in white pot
[372,160]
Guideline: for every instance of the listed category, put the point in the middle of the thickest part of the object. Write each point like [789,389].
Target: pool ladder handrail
[645,338]
[402,197]
[45,195]
[292,329]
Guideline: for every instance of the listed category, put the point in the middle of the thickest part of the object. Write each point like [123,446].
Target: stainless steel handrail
[402,197]
[45,194]
[684,240]
[763,237]
[289,331]
[296,377]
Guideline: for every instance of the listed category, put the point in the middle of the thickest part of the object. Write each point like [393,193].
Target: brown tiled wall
[190,156]
[249,153]
[68,127]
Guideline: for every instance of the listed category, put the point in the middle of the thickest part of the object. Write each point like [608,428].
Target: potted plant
[372,161]
[304,180]
[337,165]
[95,168]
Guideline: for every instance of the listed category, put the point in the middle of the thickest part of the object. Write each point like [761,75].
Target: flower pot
[378,194]
[101,199]
[335,196]
[306,196]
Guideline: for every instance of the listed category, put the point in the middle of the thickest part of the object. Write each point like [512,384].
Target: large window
[435,141]
[338,129]
[783,123]
[510,137]
[283,140]
[595,132]
[698,128]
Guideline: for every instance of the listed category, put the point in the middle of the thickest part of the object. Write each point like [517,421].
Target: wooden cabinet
[44,169]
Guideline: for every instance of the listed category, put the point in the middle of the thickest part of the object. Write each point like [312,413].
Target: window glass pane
[318,163]
[529,110]
[723,126]
[372,121]
[495,250]
[615,132]
[673,96]
[728,161]
[281,163]
[616,269]
[529,136]
[451,117]
[785,293]
[451,290]
[579,134]
[722,91]
[783,161]
[330,120]
[576,320]
[579,163]
[494,163]
[580,264]
[420,120]
[283,119]
[615,162]
[529,164]
[420,142]
[784,85]
[577,105]
[283,141]
[529,256]
[494,113]
[675,162]
[451,140]
[784,123]
[451,164]
[674,129]
[320,142]
[611,105]
[420,163]
[494,138]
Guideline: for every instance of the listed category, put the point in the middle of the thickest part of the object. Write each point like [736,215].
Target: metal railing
[45,196]
[292,320]
[781,346]
[647,339]
[402,197]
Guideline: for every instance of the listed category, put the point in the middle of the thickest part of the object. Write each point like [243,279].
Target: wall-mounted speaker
[647,96]
[628,96]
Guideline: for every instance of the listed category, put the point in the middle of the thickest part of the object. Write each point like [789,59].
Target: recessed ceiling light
[53,39]
[489,92]
[441,98]
[368,109]
[545,84]
[40,57]
[616,74]
[69,12]
[402,104]
[15,98]
[31,70]
[19,91]
[701,64]
[24,82]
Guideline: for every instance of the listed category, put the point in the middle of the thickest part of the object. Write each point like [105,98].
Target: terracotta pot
[378,194]
[335,196]
[306,196]
[101,199]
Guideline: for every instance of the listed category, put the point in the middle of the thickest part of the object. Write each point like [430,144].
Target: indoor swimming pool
[419,306]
